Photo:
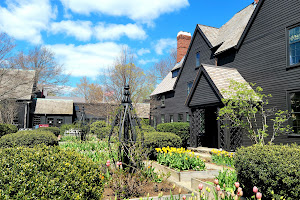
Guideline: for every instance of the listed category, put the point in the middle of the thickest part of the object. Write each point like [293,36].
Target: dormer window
[163,100]
[198,63]
[294,46]
[175,73]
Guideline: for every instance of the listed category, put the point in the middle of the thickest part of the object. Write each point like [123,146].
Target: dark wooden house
[260,44]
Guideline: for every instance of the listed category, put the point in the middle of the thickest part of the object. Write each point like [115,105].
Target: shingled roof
[168,82]
[230,33]
[16,83]
[54,106]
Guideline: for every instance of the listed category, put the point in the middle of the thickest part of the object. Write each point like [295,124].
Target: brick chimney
[256,1]
[183,42]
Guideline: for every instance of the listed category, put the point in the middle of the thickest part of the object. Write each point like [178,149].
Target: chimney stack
[183,42]
[256,1]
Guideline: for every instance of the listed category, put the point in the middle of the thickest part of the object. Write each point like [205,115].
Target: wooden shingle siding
[204,94]
[262,56]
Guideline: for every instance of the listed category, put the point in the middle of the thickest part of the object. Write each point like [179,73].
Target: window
[187,117]
[198,59]
[295,110]
[180,117]
[189,87]
[294,46]
[171,118]
[175,73]
[50,121]
[76,108]
[59,121]
[163,100]
[162,118]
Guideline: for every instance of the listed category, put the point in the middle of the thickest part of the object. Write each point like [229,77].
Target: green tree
[248,109]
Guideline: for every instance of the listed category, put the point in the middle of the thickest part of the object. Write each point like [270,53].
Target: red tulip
[107,164]
[184,197]
[237,184]
[255,189]
[258,195]
[218,188]
[200,186]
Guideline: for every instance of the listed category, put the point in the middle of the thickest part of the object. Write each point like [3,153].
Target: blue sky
[86,35]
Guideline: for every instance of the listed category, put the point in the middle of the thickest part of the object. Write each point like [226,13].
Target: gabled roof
[211,33]
[74,99]
[53,106]
[16,83]
[231,32]
[219,77]
[168,82]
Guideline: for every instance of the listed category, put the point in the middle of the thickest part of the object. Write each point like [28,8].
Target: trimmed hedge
[48,173]
[270,168]
[154,140]
[182,129]
[7,129]
[29,139]
[54,130]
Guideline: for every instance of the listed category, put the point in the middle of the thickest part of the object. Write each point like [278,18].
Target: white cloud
[81,30]
[86,60]
[137,10]
[143,51]
[115,31]
[163,44]
[144,62]
[25,19]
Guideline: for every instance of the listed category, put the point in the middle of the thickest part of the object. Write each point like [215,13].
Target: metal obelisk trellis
[82,125]
[126,119]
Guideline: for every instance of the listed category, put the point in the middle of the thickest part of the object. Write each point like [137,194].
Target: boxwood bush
[48,173]
[270,168]
[154,140]
[54,130]
[29,139]
[7,129]
[182,129]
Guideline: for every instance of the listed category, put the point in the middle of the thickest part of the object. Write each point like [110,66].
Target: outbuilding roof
[54,106]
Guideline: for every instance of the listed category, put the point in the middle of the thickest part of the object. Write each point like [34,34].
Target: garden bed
[152,188]
[180,176]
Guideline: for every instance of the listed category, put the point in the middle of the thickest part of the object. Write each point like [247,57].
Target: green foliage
[48,173]
[245,108]
[7,129]
[182,129]
[154,140]
[145,122]
[179,159]
[100,128]
[54,130]
[227,178]
[28,138]
[270,168]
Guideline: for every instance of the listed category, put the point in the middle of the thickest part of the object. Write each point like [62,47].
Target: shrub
[270,168]
[48,173]
[54,130]
[94,127]
[29,139]
[7,129]
[154,140]
[103,132]
[182,129]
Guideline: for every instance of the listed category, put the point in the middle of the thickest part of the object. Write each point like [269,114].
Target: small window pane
[295,110]
[294,46]
[162,118]
[197,59]
[180,117]
[187,117]
[189,87]
[171,118]
[163,100]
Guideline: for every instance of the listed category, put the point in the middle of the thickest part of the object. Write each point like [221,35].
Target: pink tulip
[258,195]
[255,189]
[184,197]
[240,193]
[107,161]
[237,184]
[107,164]
[239,189]
[218,188]
[118,163]
[216,181]
[200,186]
